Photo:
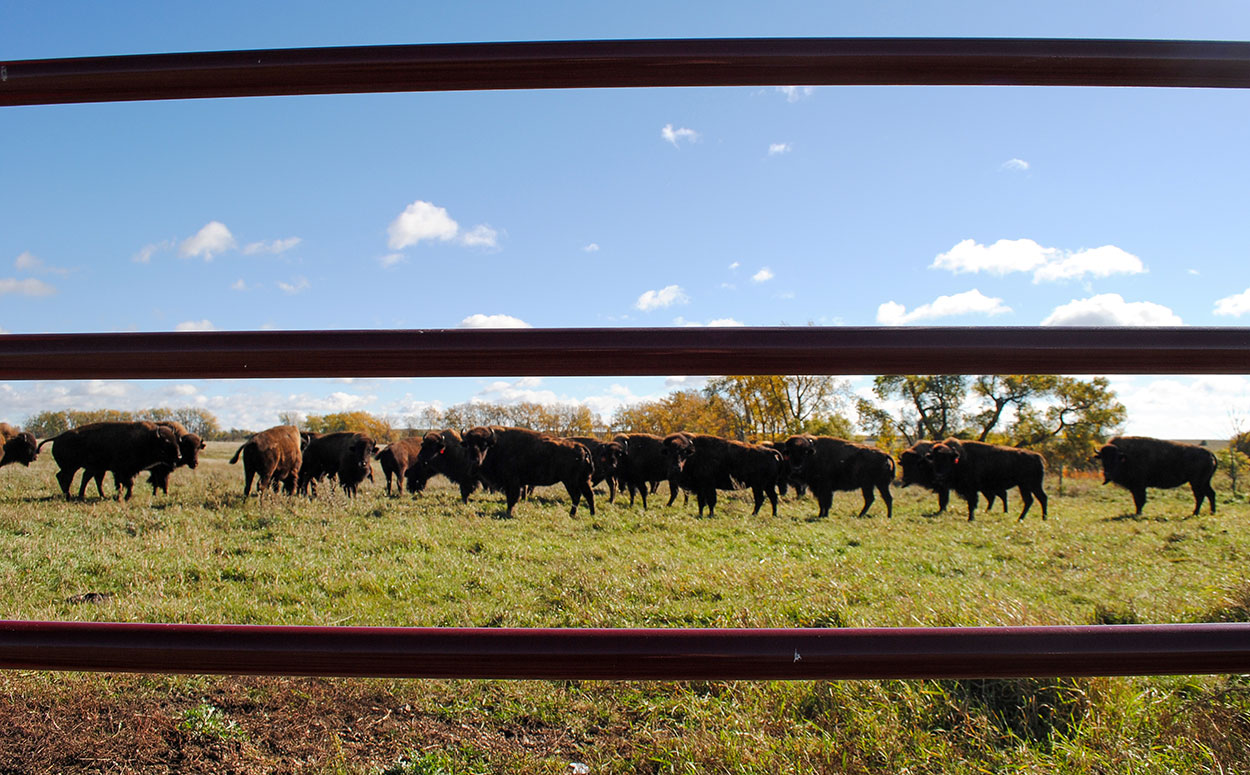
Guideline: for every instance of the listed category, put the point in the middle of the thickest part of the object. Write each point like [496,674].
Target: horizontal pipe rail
[628,63]
[649,654]
[625,352]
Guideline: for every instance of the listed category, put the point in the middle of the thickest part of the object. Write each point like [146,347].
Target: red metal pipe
[626,351]
[651,654]
[628,63]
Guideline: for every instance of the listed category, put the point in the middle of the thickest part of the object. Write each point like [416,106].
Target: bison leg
[710,500]
[758,494]
[772,499]
[512,493]
[972,504]
[1139,498]
[1027,497]
[824,499]
[672,491]
[1202,491]
[590,497]
[65,477]
[884,489]
[944,498]
[869,498]
[611,490]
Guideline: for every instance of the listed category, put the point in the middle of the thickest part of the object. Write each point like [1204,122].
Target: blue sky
[638,207]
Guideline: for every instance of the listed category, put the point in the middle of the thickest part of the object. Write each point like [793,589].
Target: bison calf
[1138,462]
[19,446]
[343,454]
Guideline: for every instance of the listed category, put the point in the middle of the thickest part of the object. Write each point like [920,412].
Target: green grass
[203,554]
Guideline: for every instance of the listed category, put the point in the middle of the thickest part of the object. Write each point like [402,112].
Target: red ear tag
[443,451]
[956,461]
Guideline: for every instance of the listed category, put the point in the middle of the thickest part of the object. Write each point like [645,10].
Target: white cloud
[971,302]
[391,259]
[1047,264]
[762,276]
[775,149]
[28,287]
[675,136]
[1110,309]
[195,325]
[274,247]
[665,297]
[238,285]
[147,251]
[796,93]
[481,236]
[29,262]
[1236,305]
[1097,262]
[214,238]
[297,285]
[715,323]
[592,248]
[735,265]
[493,321]
[1003,257]
[1015,165]
[421,221]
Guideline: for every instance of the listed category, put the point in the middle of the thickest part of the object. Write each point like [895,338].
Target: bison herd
[516,460]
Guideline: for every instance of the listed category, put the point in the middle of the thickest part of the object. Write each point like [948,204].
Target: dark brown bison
[643,465]
[396,459]
[787,478]
[703,464]
[442,452]
[511,459]
[123,448]
[828,464]
[607,457]
[970,467]
[343,454]
[274,455]
[1138,462]
[919,471]
[189,446]
[18,446]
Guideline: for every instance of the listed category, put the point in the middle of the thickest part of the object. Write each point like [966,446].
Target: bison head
[944,458]
[432,445]
[798,451]
[1113,461]
[477,442]
[609,457]
[915,465]
[189,446]
[166,445]
[22,448]
[678,449]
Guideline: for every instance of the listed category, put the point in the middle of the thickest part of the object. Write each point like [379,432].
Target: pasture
[202,554]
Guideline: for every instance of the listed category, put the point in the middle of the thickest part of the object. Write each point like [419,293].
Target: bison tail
[238,452]
[45,441]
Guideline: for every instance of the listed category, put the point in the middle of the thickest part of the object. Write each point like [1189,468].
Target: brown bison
[343,454]
[511,459]
[787,478]
[643,465]
[703,464]
[18,446]
[189,446]
[828,464]
[1138,462]
[607,457]
[442,452]
[918,470]
[274,455]
[970,467]
[124,448]
[396,459]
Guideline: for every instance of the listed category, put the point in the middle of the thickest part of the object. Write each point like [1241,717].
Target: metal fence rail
[629,63]
[626,653]
[626,351]
[653,654]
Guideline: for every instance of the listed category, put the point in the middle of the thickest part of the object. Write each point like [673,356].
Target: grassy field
[204,554]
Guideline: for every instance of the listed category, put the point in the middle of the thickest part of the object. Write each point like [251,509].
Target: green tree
[932,405]
[1003,391]
[360,422]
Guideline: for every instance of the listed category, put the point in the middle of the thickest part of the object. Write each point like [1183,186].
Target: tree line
[1062,417]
